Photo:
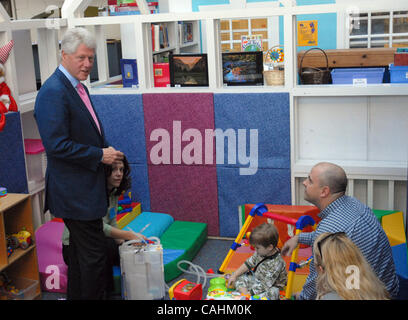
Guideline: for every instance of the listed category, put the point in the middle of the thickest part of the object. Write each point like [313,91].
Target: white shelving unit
[368,120]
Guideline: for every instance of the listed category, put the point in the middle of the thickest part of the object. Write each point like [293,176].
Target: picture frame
[242,68]
[188,70]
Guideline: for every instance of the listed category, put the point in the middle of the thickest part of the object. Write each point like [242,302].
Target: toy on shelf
[21,240]
[7,102]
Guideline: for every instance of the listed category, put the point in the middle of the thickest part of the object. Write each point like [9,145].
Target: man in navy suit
[76,150]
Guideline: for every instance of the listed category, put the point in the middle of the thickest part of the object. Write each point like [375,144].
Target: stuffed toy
[7,102]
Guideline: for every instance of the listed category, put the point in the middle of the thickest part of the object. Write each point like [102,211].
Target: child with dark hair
[117,182]
[264,273]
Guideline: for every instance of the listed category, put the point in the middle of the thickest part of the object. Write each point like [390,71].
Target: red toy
[186,290]
[7,102]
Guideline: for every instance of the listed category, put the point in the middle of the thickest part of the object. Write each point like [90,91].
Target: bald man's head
[333,176]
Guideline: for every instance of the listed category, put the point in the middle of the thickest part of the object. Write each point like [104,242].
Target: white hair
[74,37]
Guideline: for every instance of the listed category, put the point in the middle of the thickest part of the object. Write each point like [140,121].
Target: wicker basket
[274,77]
[315,75]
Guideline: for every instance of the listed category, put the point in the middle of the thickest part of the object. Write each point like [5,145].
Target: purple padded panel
[188,193]
[191,110]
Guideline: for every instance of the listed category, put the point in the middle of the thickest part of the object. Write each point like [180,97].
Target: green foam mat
[182,235]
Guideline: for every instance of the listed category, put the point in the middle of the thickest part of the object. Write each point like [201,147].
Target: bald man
[325,187]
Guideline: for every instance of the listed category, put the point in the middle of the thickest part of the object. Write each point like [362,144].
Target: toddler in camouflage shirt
[264,273]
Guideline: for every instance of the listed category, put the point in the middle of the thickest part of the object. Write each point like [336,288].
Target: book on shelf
[161,73]
[160,37]
[185,30]
[126,7]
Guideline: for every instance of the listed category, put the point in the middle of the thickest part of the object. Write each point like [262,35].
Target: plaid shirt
[349,215]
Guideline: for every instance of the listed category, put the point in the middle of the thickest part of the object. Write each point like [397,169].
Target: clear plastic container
[142,272]
[24,289]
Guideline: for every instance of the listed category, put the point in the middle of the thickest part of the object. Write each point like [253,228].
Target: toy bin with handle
[142,270]
[357,75]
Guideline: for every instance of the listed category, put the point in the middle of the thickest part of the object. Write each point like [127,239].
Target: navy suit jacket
[75,183]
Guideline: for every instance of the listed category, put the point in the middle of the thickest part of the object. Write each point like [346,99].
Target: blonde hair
[335,254]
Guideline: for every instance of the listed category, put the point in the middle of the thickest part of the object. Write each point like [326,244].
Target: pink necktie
[85,99]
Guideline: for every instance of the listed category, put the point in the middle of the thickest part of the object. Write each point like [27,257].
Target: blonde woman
[343,272]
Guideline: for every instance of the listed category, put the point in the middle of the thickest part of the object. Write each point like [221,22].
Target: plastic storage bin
[25,289]
[142,271]
[357,75]
[36,159]
[398,74]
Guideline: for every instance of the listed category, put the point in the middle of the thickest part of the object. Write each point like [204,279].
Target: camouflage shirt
[269,278]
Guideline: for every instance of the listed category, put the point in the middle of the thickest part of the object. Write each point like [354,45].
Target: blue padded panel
[123,123]
[12,161]
[267,185]
[266,112]
[140,185]
[157,223]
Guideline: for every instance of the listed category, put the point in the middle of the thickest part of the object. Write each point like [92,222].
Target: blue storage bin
[398,74]
[348,75]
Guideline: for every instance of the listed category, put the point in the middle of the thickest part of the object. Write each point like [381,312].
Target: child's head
[265,235]
[118,176]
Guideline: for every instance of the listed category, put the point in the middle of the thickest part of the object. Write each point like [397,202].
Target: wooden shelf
[17,254]
[16,215]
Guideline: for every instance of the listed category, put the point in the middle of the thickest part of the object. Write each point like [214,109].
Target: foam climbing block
[124,219]
[399,253]
[182,235]
[393,225]
[188,192]
[51,265]
[379,214]
[151,224]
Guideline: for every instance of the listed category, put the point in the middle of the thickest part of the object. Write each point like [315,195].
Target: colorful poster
[307,33]
[251,43]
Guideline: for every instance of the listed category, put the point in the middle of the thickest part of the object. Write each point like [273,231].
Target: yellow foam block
[393,225]
[130,216]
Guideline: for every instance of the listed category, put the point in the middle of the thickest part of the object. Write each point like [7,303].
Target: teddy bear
[7,102]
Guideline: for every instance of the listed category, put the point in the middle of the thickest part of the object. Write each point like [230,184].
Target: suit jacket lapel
[74,93]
